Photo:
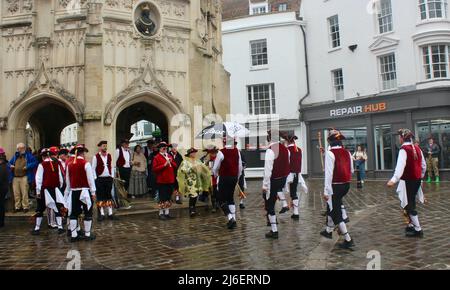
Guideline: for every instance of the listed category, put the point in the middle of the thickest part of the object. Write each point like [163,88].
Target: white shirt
[329,169]
[105,172]
[40,176]
[89,175]
[401,163]
[269,160]
[126,156]
[218,162]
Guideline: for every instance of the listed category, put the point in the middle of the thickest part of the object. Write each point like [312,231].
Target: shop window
[439,130]
[353,138]
[383,147]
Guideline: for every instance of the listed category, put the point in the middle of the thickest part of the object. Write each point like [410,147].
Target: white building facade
[376,66]
[264,53]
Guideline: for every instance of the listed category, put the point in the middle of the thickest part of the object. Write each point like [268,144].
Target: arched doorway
[138,112]
[39,120]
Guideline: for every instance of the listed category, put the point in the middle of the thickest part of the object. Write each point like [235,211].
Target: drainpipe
[307,72]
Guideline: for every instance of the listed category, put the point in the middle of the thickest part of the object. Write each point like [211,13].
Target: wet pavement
[141,241]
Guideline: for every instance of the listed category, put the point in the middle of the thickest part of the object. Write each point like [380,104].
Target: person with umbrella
[228,168]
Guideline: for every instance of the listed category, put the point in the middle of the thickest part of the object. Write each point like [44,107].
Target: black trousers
[40,208]
[79,207]
[412,187]
[339,191]
[2,207]
[165,192]
[125,175]
[104,187]
[276,185]
[225,197]
[293,187]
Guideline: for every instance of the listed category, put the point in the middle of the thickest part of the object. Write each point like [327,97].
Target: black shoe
[90,238]
[231,224]
[113,218]
[80,233]
[178,202]
[25,210]
[169,217]
[213,210]
[346,244]
[295,217]
[16,210]
[192,214]
[272,235]
[284,209]
[61,231]
[162,217]
[241,206]
[101,218]
[347,220]
[414,234]
[69,233]
[326,234]
[409,229]
[35,232]
[76,239]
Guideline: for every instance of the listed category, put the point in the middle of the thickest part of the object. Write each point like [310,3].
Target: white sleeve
[217,163]
[400,167]
[241,168]
[329,169]
[94,165]
[67,180]
[90,177]
[352,168]
[423,165]
[268,167]
[39,178]
[61,177]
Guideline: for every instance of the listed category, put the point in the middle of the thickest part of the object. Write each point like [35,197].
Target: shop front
[371,122]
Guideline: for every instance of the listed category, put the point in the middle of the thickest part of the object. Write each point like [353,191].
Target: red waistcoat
[121,160]
[77,174]
[101,166]
[50,178]
[413,168]
[230,163]
[342,166]
[281,167]
[296,159]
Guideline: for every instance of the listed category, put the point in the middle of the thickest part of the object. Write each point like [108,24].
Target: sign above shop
[356,110]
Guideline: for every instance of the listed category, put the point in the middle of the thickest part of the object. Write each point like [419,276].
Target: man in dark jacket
[4,184]
[23,165]
[178,158]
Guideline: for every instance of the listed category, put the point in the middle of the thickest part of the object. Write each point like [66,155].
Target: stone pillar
[92,127]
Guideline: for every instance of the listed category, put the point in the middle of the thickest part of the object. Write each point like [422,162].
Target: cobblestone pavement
[144,242]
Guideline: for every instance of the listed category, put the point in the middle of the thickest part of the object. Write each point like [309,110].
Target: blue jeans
[360,165]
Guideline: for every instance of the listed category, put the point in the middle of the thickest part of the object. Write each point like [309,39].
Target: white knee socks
[232,209]
[110,211]
[344,212]
[87,228]
[295,202]
[273,223]
[343,229]
[415,222]
[282,199]
[38,223]
[59,222]
[73,228]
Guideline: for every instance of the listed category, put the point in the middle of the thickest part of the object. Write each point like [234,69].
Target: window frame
[251,99]
[331,33]
[256,41]
[380,17]
[338,96]
[382,72]
[425,11]
[429,67]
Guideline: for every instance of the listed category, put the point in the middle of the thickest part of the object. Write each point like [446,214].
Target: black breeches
[412,187]
[79,207]
[276,185]
[339,191]
[293,187]
[41,204]
[225,197]
[104,188]
[125,175]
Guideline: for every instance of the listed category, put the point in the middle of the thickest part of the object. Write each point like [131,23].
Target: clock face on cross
[146,20]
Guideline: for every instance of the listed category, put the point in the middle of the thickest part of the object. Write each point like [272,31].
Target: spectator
[360,157]
[432,152]
[138,179]
[23,166]
[178,158]
[4,184]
